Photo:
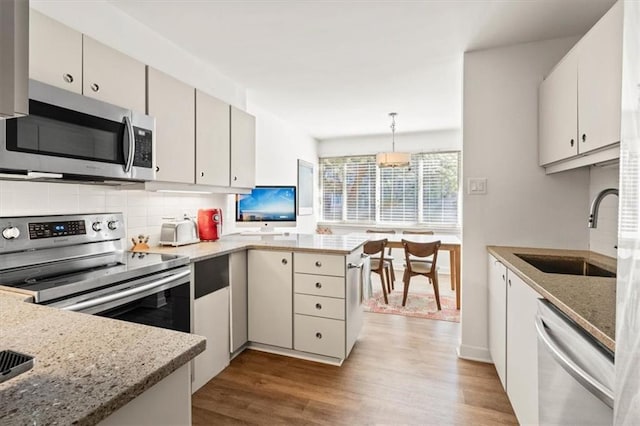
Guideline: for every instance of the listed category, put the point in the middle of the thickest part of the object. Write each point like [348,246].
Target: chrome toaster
[179,233]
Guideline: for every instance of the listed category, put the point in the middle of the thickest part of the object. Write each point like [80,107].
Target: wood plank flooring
[401,371]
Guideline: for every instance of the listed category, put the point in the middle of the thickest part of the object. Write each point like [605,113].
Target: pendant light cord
[393,130]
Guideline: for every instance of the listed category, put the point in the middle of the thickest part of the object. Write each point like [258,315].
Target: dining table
[449,242]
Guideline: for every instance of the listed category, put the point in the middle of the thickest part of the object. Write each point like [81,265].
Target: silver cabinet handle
[318,264]
[502,277]
[284,261]
[318,285]
[122,294]
[355,266]
[95,87]
[201,174]
[318,335]
[318,306]
[590,383]
[68,78]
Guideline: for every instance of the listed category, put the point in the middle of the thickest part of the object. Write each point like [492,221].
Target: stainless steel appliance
[78,137]
[179,233]
[575,373]
[76,263]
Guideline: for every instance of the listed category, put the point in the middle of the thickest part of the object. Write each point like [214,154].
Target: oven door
[72,134]
[160,300]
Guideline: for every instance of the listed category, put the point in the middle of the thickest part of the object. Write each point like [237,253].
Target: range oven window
[167,309]
[59,132]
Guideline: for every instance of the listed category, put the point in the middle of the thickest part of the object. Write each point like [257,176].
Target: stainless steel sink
[565,265]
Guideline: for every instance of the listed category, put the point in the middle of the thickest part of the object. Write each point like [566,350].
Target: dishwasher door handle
[596,388]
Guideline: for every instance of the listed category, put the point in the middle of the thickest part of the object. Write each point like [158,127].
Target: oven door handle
[126,293]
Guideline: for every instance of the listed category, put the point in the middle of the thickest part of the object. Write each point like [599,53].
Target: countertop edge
[588,326]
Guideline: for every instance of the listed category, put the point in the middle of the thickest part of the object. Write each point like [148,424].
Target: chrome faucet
[595,205]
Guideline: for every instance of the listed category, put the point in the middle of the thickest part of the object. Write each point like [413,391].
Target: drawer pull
[95,87]
[284,261]
[318,264]
[318,335]
[318,306]
[318,285]
[67,78]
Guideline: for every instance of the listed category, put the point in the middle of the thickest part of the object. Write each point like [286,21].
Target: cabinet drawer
[321,336]
[326,307]
[319,285]
[323,264]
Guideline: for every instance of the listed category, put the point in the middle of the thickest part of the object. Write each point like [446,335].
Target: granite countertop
[86,367]
[330,244]
[589,301]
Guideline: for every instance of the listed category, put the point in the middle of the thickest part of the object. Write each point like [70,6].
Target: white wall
[437,140]
[604,238]
[523,206]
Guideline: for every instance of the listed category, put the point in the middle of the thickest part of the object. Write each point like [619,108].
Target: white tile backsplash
[604,238]
[144,211]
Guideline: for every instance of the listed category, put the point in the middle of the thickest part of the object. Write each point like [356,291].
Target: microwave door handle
[129,145]
[122,294]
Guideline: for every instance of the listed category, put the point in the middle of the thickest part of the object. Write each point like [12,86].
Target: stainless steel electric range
[77,263]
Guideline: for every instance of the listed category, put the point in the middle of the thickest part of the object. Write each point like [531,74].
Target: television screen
[267,204]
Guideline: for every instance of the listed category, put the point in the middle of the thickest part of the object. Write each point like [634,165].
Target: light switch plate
[477,186]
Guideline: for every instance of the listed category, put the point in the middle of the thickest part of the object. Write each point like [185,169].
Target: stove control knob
[113,225]
[10,233]
[96,226]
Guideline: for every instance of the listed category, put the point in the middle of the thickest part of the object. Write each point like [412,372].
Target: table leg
[456,250]
[452,268]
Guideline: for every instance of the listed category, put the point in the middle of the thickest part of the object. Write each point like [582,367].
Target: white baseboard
[474,353]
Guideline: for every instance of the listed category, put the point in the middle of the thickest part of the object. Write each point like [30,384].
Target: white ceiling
[336,68]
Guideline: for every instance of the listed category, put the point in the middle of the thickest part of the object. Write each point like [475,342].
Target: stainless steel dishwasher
[575,372]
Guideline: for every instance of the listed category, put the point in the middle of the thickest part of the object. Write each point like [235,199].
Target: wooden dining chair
[388,257]
[379,264]
[426,268]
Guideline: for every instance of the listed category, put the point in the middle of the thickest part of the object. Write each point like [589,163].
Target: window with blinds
[355,190]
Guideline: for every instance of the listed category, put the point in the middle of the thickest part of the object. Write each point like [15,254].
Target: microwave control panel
[143,156]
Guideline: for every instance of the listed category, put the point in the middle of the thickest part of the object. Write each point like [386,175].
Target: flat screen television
[267,207]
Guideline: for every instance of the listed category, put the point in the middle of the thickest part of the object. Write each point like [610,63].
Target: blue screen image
[267,204]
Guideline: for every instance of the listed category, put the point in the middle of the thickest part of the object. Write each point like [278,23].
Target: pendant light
[393,158]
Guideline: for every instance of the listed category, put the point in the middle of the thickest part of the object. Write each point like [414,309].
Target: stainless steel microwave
[78,137]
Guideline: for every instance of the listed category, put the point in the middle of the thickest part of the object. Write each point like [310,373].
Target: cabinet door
[212,140]
[238,281]
[172,103]
[112,76]
[211,320]
[55,53]
[558,116]
[600,82]
[522,349]
[497,278]
[243,149]
[270,298]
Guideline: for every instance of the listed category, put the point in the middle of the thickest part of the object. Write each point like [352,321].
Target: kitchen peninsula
[298,295]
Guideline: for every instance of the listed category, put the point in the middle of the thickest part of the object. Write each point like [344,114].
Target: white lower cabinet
[270,294]
[513,342]
[323,336]
[238,302]
[522,349]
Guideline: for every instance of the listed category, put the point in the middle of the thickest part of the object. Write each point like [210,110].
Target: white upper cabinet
[600,82]
[580,101]
[243,149]
[111,76]
[55,53]
[65,58]
[498,317]
[172,103]
[558,107]
[213,147]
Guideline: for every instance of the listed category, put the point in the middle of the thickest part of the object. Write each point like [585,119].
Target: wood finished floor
[401,371]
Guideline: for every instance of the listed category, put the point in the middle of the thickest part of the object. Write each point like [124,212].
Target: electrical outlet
[477,186]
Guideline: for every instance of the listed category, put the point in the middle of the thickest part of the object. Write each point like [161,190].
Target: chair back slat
[415,232]
[380,231]
[375,247]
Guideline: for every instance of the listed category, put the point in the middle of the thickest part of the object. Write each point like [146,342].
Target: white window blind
[355,190]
